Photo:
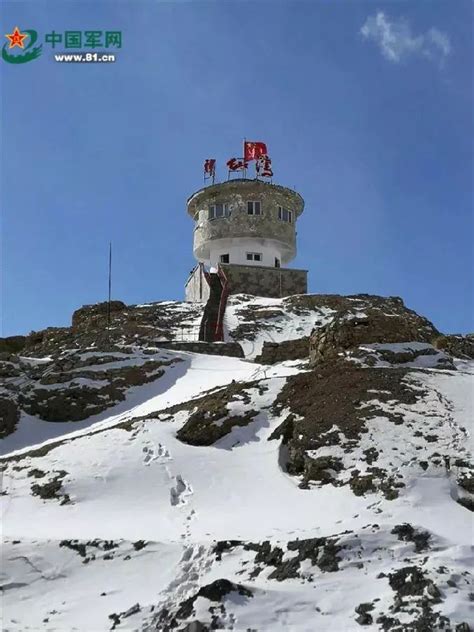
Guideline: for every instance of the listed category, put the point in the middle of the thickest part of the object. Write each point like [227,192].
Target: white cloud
[397,41]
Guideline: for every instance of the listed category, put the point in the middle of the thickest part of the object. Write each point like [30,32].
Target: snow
[288,326]
[181,381]
[425,355]
[101,488]
[144,484]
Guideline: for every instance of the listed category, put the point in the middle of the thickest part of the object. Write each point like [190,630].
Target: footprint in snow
[161,453]
[149,455]
[179,491]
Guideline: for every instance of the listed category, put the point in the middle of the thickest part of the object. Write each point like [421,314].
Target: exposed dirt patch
[90,550]
[77,400]
[408,533]
[374,355]
[216,591]
[117,618]
[323,553]
[363,610]
[330,406]
[212,420]
[203,430]
[36,473]
[52,489]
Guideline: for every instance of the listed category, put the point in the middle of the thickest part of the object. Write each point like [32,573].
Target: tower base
[254,280]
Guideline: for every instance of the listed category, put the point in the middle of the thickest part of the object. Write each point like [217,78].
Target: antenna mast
[110,284]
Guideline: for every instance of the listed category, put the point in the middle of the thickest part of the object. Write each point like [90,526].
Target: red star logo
[16,38]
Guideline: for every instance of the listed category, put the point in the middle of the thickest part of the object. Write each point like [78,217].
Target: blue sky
[366,109]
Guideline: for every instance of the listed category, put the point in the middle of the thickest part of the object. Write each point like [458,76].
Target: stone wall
[263,281]
[232,349]
[273,352]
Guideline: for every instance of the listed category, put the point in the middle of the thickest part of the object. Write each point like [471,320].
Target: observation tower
[245,233]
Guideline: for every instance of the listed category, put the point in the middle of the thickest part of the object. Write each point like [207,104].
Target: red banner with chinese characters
[264,167]
[237,164]
[210,167]
[253,150]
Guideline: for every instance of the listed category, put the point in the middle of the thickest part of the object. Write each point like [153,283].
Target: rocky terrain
[313,472]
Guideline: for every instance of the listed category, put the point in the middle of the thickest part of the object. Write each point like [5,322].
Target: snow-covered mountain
[319,480]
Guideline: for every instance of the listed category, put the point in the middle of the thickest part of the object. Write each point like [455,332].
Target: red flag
[210,167]
[237,164]
[264,167]
[253,150]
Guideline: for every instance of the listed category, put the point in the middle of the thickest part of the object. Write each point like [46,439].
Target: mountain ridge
[225,493]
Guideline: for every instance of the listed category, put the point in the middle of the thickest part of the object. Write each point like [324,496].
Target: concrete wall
[197,289]
[263,281]
[236,193]
[238,247]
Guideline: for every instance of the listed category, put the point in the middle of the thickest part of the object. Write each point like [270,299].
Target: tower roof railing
[229,183]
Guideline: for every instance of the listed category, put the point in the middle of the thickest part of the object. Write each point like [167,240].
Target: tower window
[254,256]
[224,258]
[277,262]
[285,215]
[254,208]
[219,210]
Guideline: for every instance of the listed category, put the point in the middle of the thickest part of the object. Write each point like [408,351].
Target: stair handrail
[219,331]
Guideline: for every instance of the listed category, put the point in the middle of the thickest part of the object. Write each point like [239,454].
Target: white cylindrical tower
[245,222]
[245,234]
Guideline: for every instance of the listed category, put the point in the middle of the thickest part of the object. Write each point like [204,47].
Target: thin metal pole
[110,283]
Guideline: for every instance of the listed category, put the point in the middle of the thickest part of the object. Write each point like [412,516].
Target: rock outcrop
[71,373]
[97,314]
[75,394]
[389,322]
[9,416]
[457,346]
[12,344]
[215,414]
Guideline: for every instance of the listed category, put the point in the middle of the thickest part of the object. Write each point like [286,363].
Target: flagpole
[110,284]
[245,170]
